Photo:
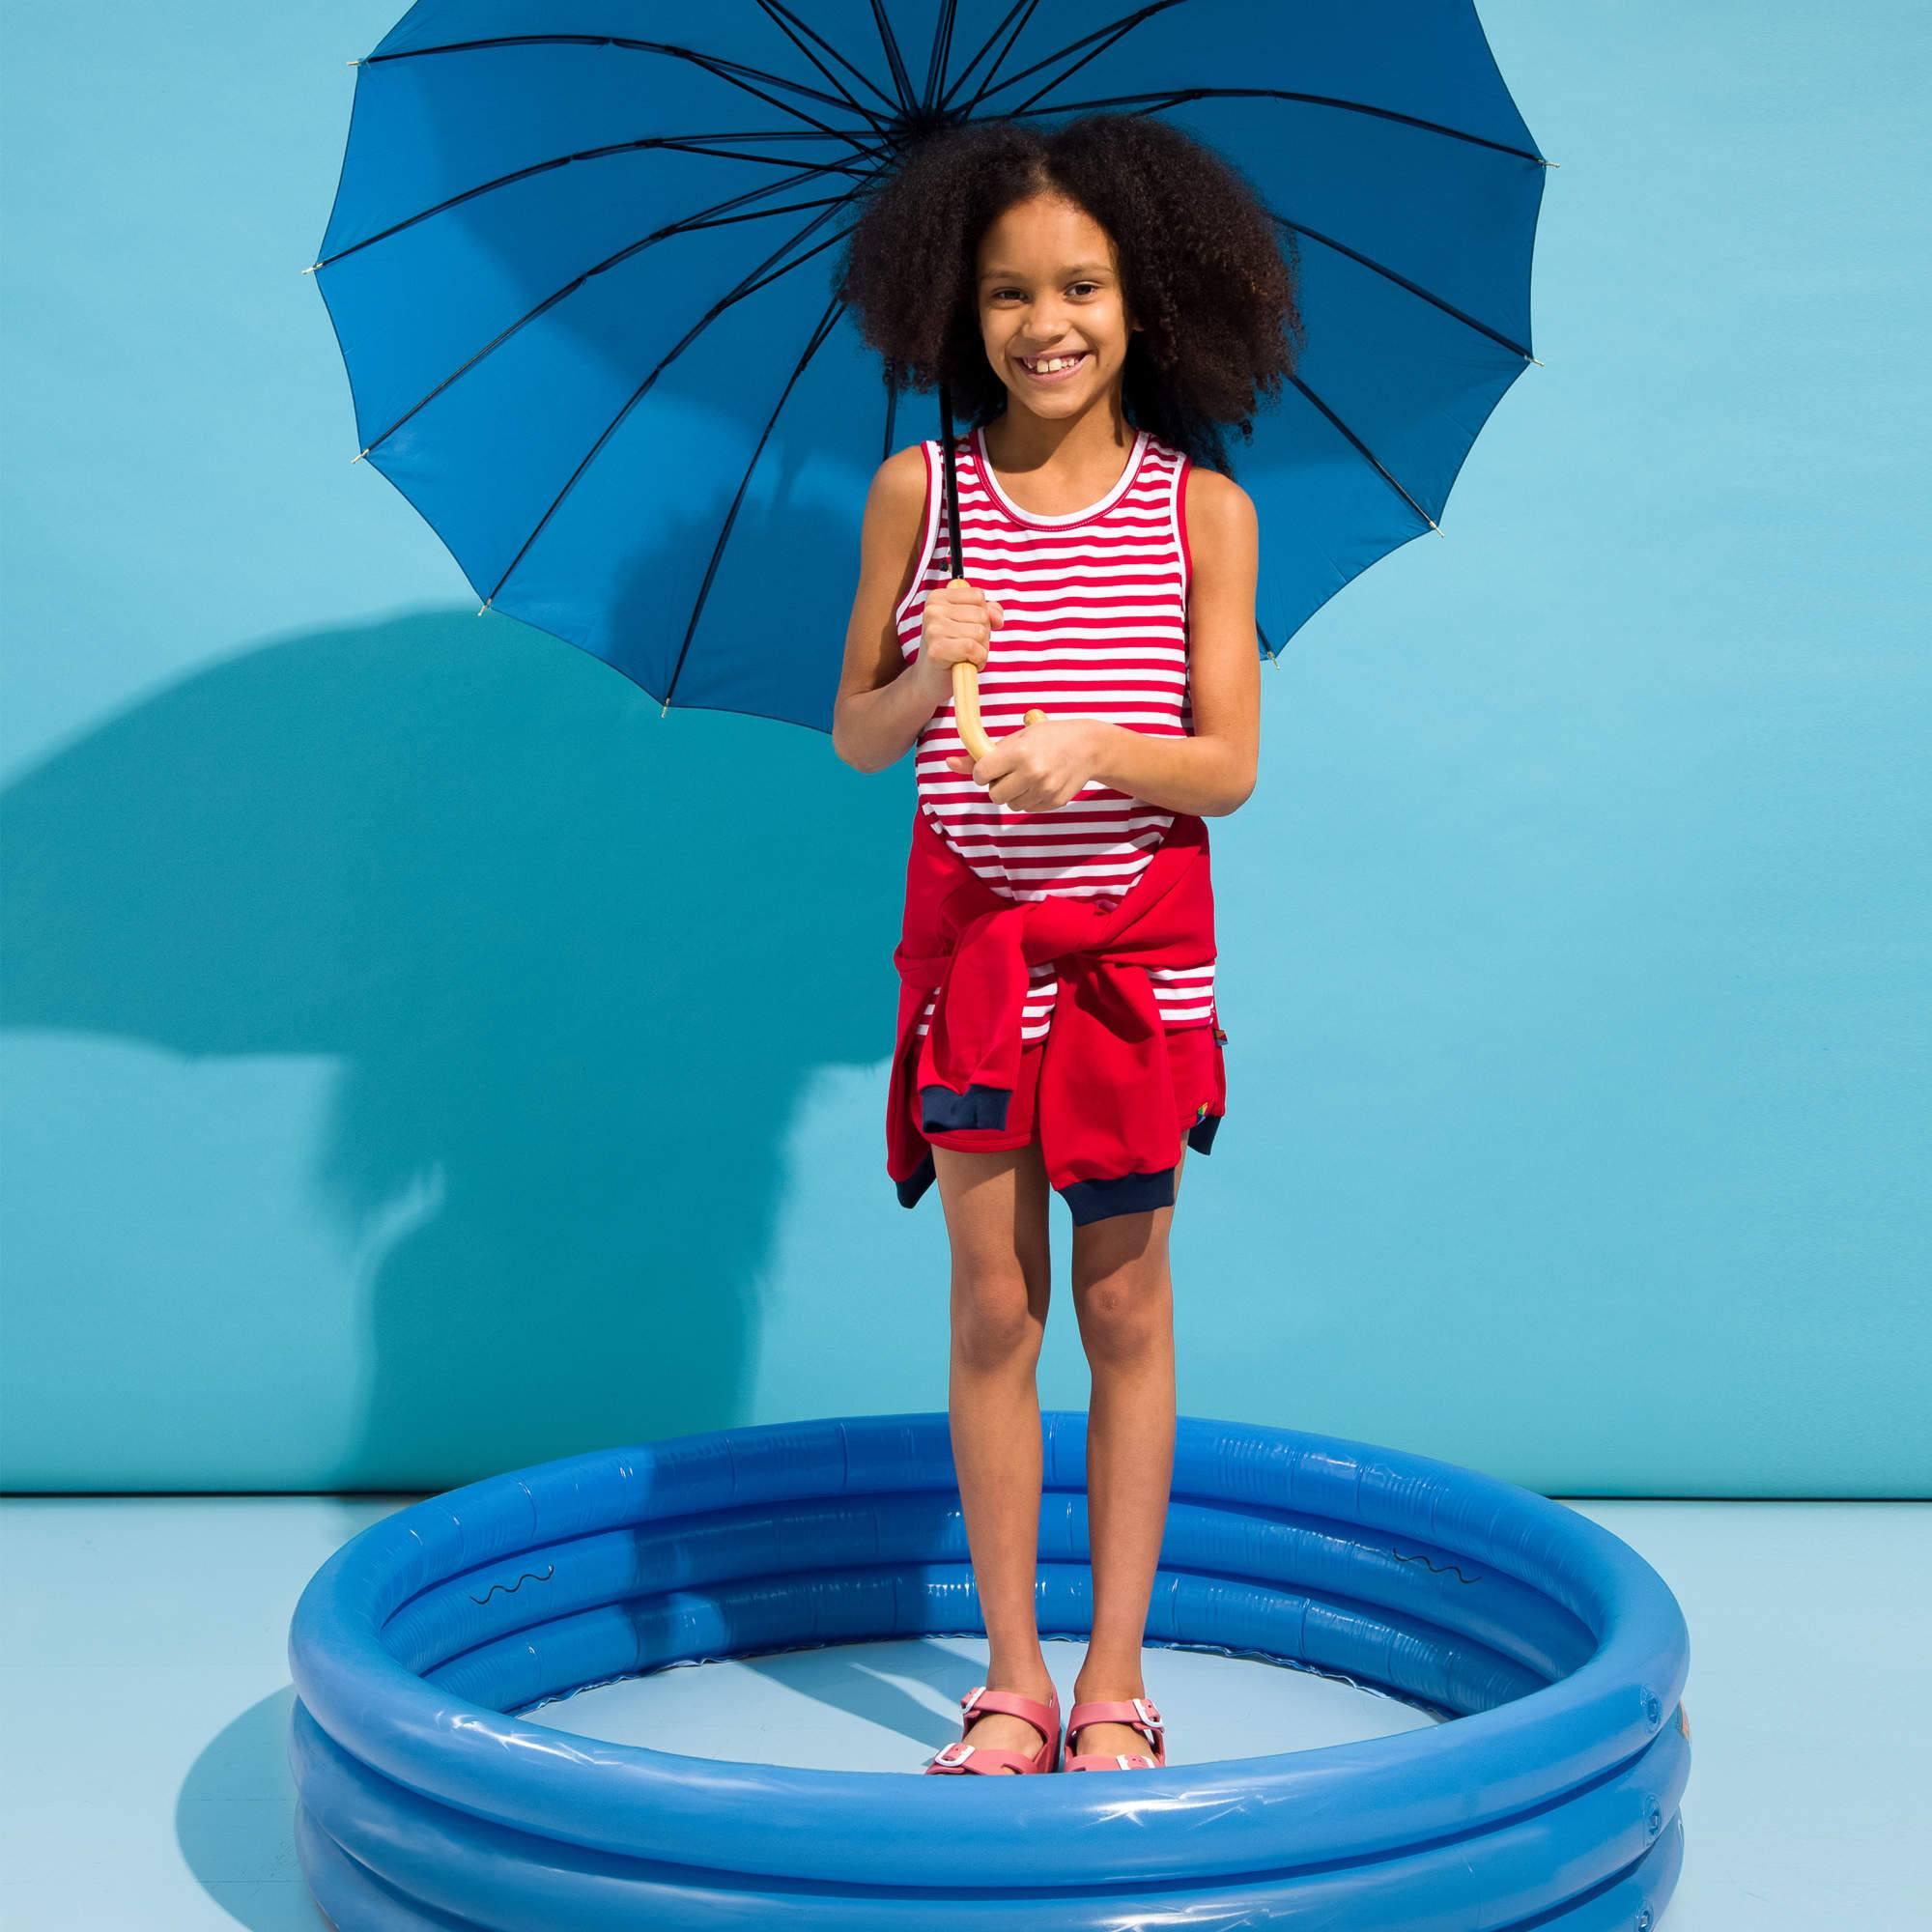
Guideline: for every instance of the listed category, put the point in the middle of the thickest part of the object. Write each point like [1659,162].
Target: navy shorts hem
[1086,1200]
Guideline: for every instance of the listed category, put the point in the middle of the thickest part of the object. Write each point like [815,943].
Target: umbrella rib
[900,79]
[747,287]
[1115,30]
[1402,281]
[708,217]
[1179,94]
[1367,454]
[724,70]
[786,16]
[682,143]
[959,82]
[941,47]
[812,348]
[891,419]
[870,115]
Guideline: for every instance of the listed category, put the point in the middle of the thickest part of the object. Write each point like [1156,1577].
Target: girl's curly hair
[1201,268]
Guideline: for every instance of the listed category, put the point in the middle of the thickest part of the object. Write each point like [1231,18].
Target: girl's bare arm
[882,701]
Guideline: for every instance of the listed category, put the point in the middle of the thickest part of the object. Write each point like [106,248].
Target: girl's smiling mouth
[1057,368]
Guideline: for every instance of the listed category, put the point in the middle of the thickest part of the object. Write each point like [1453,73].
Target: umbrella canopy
[582,280]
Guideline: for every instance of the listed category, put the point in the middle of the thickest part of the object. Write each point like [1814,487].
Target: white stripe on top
[1093,609]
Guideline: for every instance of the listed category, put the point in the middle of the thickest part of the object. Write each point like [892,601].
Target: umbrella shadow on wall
[577,962]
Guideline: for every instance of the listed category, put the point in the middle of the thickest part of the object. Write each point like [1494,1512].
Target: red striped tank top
[1094,604]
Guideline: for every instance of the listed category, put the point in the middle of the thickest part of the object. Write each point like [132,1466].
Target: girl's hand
[1039,767]
[957,628]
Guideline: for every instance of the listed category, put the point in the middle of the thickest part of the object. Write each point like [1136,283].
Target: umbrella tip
[359,456]
[666,710]
[312,268]
[485,605]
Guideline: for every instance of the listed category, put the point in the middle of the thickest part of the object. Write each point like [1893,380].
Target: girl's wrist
[1098,747]
[935,680]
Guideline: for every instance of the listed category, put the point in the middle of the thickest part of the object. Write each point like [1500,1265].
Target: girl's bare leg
[995,1207]
[1123,1300]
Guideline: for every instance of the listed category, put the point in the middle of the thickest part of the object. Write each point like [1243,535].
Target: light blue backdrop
[422,1059]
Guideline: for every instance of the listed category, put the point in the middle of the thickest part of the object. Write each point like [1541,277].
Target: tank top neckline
[1033,518]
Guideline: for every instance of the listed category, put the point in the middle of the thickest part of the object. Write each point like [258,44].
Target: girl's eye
[998,292]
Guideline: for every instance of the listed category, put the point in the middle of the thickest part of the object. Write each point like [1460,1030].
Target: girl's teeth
[1058,363]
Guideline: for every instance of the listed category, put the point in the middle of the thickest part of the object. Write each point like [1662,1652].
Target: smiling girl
[1099,301]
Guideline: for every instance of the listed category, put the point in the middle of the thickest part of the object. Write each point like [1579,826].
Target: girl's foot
[1105,1739]
[1001,1730]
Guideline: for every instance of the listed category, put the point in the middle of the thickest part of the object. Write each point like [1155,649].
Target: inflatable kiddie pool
[1548,1796]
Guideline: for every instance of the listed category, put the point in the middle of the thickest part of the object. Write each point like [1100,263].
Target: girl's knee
[1125,1312]
[996,1315]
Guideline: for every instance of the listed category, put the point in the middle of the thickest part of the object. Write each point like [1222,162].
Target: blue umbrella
[582,280]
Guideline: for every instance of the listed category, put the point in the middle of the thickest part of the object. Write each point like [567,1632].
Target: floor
[144,1786]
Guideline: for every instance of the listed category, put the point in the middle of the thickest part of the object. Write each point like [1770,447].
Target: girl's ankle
[1032,1680]
[1102,1687]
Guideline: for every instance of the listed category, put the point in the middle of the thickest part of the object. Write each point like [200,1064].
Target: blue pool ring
[1556,1655]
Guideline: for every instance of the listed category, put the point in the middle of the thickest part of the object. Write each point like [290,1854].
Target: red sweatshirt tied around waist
[1107,1113]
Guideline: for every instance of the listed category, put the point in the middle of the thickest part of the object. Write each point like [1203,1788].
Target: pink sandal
[961,1756]
[1142,1712]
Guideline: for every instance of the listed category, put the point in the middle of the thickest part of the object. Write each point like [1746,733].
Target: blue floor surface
[144,1788]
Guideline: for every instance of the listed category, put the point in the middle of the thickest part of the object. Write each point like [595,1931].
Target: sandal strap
[963,1757]
[1142,1714]
[1108,1760]
[1043,1717]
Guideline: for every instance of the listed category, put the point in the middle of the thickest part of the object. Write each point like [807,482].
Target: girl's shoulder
[1218,515]
[906,461]
[1214,487]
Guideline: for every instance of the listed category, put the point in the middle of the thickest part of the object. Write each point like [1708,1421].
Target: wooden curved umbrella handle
[966,708]
[966,711]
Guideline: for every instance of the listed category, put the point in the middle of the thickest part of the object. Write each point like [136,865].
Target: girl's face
[1049,285]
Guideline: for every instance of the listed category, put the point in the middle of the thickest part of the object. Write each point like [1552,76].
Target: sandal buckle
[956,1752]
